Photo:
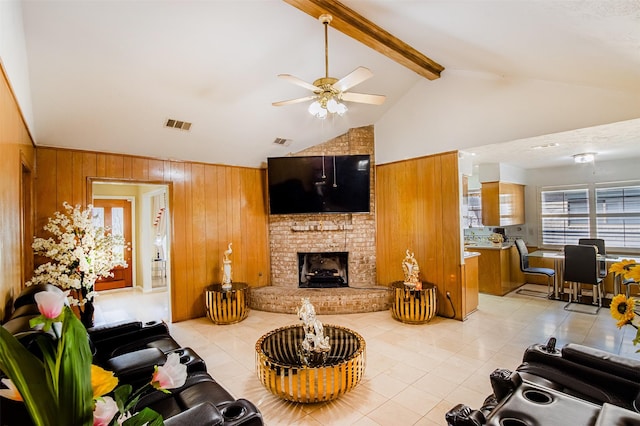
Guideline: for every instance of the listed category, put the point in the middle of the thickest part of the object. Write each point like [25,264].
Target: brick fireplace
[341,232]
[352,233]
[323,270]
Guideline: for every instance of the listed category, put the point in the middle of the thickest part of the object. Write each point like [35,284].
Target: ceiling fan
[329,92]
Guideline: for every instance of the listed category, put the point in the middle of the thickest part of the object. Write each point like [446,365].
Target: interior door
[116,214]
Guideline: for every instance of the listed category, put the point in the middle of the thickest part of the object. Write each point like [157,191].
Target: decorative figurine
[315,345]
[226,269]
[411,270]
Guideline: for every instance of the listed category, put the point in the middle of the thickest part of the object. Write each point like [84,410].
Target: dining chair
[581,267]
[599,243]
[524,265]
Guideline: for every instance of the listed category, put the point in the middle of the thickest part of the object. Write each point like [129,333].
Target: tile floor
[414,373]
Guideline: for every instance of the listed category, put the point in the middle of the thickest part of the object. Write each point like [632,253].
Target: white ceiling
[105,75]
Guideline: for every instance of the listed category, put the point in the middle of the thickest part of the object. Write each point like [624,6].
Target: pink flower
[11,392]
[50,303]
[171,375]
[104,411]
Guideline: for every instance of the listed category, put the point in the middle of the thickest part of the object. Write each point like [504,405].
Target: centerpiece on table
[80,252]
[63,387]
[622,308]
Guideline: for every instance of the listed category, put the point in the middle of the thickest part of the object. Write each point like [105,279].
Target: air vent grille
[178,124]
[282,141]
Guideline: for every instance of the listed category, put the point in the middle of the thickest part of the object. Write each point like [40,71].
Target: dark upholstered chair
[581,267]
[524,265]
[599,243]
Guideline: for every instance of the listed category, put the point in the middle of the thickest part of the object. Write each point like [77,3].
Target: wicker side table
[227,306]
[413,306]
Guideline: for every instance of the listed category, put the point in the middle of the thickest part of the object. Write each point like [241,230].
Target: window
[564,215]
[618,215]
[611,212]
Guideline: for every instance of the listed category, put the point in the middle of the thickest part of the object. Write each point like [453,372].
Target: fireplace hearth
[323,269]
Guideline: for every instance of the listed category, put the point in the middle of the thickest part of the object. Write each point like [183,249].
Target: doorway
[115,215]
[149,267]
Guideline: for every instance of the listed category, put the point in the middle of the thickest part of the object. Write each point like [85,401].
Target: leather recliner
[131,349]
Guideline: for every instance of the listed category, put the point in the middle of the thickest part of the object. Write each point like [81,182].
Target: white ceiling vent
[282,141]
[177,124]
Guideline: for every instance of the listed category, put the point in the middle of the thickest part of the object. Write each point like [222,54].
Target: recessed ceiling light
[585,157]
[546,145]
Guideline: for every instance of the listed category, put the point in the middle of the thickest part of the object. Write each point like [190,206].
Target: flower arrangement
[64,388]
[622,308]
[80,252]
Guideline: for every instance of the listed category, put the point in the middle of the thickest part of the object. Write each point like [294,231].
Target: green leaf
[28,375]
[145,416]
[75,403]
[121,395]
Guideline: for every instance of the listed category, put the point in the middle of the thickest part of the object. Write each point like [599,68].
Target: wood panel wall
[16,152]
[418,208]
[211,206]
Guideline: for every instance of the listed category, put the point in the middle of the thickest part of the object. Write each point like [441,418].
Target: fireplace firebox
[323,269]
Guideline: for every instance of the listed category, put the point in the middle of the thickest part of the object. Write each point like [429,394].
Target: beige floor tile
[414,373]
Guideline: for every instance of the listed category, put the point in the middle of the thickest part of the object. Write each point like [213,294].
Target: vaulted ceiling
[107,75]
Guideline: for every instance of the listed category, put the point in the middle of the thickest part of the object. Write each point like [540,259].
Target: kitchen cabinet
[494,271]
[502,204]
[470,288]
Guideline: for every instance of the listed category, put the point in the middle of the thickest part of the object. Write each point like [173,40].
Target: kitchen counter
[483,245]
[469,254]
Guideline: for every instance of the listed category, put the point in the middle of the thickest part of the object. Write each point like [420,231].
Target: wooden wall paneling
[210,207]
[114,166]
[211,218]
[79,187]
[156,170]
[223,218]
[181,303]
[257,233]
[16,149]
[89,169]
[418,206]
[139,168]
[199,236]
[101,165]
[127,172]
[188,234]
[234,219]
[46,186]
[64,178]
[451,231]
[386,223]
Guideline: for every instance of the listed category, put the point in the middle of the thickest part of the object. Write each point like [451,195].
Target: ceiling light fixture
[586,157]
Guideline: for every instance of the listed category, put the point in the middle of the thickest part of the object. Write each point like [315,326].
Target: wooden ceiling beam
[366,32]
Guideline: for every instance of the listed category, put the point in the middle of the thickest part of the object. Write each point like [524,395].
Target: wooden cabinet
[470,289]
[494,271]
[502,204]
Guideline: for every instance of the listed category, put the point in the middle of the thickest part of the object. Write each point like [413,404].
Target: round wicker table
[281,371]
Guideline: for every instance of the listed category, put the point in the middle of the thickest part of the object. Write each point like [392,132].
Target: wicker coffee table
[282,372]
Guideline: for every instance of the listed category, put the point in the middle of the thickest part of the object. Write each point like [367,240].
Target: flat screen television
[319,184]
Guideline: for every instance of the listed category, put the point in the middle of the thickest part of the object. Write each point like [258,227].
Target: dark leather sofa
[575,385]
[131,349]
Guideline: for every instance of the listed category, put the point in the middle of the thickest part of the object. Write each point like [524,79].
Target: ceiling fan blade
[295,80]
[294,101]
[364,98]
[356,76]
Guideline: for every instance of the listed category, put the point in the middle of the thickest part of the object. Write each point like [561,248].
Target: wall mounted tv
[319,184]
